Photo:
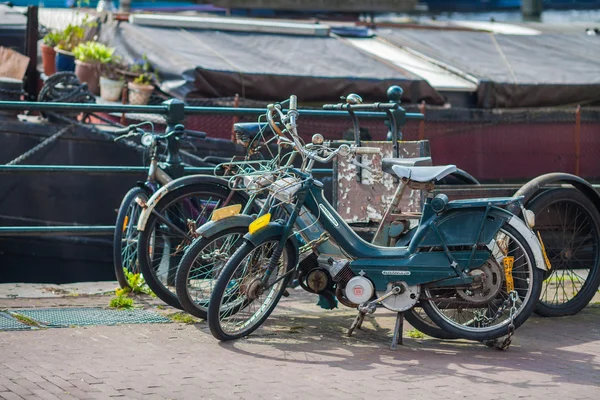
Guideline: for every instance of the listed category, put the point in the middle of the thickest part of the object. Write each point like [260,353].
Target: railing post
[236,103]
[31,51]
[175,115]
[422,123]
[577,140]
[394,94]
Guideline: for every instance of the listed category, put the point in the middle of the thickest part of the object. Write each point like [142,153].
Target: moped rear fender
[462,227]
[174,185]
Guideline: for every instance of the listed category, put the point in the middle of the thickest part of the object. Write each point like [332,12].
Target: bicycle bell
[317,138]
[147,139]
[353,98]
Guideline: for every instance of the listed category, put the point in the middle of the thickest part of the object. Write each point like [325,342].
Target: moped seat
[423,174]
[388,163]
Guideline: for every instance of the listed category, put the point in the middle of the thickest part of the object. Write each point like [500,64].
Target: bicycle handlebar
[374,106]
[195,134]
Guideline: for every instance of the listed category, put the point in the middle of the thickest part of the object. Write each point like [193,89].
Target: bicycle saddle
[388,163]
[423,174]
[247,131]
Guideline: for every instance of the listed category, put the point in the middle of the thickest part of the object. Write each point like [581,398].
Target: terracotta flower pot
[139,94]
[48,59]
[90,74]
[110,90]
[65,60]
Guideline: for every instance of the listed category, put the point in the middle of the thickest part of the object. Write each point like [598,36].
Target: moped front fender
[236,221]
[272,230]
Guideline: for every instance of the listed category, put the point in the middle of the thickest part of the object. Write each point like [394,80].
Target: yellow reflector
[125,223]
[225,212]
[544,252]
[259,223]
[508,267]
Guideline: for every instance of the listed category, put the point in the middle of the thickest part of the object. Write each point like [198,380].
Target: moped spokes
[485,309]
[247,300]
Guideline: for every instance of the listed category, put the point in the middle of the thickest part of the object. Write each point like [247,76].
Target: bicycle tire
[182,286]
[549,211]
[126,224]
[147,262]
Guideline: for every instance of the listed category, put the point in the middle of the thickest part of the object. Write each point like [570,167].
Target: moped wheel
[240,303]
[419,320]
[485,313]
[569,224]
[161,247]
[125,238]
[200,266]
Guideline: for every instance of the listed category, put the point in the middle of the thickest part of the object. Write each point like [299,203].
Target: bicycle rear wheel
[171,228]
[126,236]
[569,224]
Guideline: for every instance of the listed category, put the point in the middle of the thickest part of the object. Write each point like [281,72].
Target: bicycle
[168,224]
[159,174]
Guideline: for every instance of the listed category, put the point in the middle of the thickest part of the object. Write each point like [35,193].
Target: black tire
[223,284]
[126,236]
[569,224]
[174,205]
[197,304]
[423,324]
[470,332]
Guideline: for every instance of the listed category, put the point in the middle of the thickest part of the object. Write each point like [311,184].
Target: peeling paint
[366,201]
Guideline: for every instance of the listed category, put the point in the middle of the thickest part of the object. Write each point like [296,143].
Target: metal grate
[64,317]
[10,323]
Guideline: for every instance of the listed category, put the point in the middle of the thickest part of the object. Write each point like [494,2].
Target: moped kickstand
[397,338]
[370,307]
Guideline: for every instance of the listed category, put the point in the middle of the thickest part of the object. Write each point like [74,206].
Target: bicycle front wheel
[243,297]
[200,266]
[171,228]
[125,239]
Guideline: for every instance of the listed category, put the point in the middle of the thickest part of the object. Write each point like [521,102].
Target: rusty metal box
[365,200]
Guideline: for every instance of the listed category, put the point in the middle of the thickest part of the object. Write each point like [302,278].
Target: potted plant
[48,53]
[68,39]
[89,56]
[111,83]
[140,89]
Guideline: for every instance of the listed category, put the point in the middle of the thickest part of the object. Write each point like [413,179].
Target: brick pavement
[302,353]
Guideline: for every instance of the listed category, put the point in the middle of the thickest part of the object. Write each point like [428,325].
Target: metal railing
[174,112]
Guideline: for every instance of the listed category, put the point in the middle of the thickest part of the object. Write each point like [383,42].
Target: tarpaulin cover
[515,70]
[202,63]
